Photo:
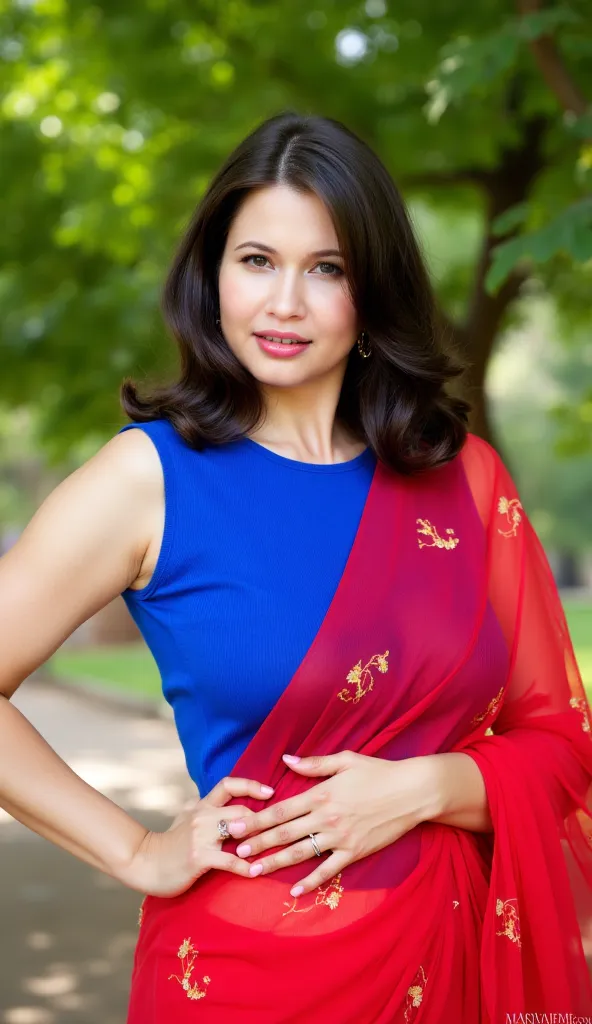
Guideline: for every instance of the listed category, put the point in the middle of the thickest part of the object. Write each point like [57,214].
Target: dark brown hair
[396,400]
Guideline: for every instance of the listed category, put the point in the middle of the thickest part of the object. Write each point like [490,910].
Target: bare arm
[459,794]
[84,545]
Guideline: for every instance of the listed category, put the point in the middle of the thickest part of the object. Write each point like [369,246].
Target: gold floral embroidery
[489,731]
[141,912]
[362,678]
[581,705]
[489,710]
[511,921]
[415,995]
[510,508]
[188,955]
[327,896]
[437,541]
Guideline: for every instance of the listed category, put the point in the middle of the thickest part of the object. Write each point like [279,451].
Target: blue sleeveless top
[253,548]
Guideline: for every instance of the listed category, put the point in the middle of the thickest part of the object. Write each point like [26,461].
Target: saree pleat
[445,633]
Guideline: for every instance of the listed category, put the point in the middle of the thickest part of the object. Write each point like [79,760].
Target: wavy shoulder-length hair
[396,400]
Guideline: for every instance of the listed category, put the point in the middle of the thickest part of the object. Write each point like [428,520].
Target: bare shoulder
[128,472]
[131,455]
[86,543]
[137,457]
[115,489]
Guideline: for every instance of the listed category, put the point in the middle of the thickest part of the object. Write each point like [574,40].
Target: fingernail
[243,850]
[297,890]
[237,827]
[266,790]
[255,870]
[291,758]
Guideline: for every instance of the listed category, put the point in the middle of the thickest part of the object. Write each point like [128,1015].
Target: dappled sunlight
[61,986]
[28,1015]
[40,940]
[166,799]
[149,779]
[57,981]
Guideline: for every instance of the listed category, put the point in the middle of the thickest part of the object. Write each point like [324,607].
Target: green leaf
[510,219]
[540,23]
[504,258]
[570,232]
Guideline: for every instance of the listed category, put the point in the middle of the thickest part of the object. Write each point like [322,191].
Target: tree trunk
[504,187]
[508,184]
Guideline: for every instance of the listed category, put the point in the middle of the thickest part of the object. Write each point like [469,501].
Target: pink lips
[280,334]
[277,348]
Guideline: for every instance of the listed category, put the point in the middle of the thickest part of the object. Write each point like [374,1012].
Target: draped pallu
[445,633]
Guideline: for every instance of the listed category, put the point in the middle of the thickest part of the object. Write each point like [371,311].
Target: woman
[355,624]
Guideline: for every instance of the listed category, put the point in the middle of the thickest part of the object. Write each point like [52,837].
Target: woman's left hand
[362,804]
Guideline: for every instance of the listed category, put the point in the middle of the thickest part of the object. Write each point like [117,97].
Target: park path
[67,931]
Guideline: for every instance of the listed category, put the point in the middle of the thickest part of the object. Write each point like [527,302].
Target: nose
[285,299]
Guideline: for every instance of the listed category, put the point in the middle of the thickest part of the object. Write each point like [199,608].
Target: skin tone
[278,284]
[99,532]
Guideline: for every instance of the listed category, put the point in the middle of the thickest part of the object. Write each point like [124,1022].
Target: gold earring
[364,347]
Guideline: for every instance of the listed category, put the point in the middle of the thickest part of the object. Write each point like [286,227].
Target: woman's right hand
[167,863]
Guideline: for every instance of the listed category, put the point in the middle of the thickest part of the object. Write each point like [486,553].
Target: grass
[130,668]
[579,620]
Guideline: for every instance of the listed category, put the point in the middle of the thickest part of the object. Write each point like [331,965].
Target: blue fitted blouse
[253,548]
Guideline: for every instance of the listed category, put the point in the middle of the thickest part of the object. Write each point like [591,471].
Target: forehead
[281,216]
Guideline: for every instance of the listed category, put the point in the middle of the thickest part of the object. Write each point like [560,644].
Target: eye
[332,266]
[333,269]
[254,256]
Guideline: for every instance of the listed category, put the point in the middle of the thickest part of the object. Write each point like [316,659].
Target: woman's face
[281,272]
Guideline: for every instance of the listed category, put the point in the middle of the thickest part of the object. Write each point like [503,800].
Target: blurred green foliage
[534,382]
[115,114]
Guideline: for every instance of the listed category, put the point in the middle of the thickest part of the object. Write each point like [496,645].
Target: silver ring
[315,845]
[223,830]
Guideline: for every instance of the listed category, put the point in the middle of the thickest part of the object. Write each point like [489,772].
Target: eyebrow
[268,248]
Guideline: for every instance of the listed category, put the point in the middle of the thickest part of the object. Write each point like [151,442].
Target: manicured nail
[255,870]
[237,827]
[291,758]
[243,850]
[297,890]
[266,790]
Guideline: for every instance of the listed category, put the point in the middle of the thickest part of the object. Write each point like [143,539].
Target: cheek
[238,296]
[337,313]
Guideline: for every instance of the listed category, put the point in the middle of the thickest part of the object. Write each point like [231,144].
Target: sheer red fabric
[537,770]
[445,633]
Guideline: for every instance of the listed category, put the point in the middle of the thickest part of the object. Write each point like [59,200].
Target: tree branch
[507,186]
[552,66]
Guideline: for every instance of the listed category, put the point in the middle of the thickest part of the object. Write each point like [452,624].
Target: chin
[281,380]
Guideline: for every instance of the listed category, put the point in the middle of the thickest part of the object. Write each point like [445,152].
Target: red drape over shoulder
[446,633]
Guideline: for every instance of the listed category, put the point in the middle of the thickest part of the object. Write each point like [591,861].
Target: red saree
[446,624]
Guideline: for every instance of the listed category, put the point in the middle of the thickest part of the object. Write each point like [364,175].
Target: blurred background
[113,117]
